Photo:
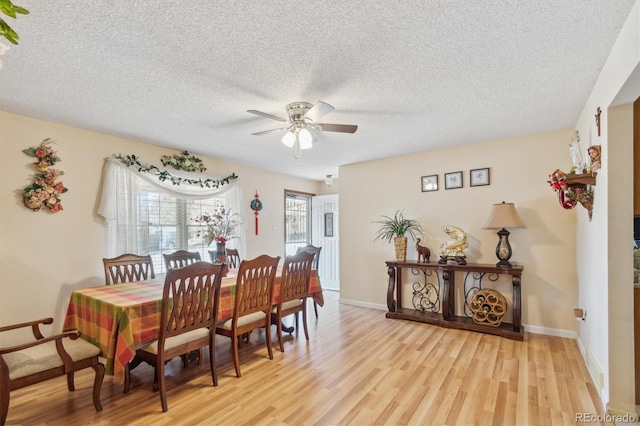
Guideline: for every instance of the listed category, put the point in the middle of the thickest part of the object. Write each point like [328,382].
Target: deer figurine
[423,252]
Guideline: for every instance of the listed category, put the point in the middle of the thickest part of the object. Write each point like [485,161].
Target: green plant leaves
[11,10]
[398,226]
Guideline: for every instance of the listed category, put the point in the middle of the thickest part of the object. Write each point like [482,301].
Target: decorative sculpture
[423,252]
[594,157]
[453,249]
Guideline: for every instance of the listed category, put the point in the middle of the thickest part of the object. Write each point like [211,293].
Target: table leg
[515,281]
[287,328]
[448,294]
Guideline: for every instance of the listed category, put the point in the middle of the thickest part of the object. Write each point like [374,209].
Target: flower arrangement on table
[44,191]
[220,226]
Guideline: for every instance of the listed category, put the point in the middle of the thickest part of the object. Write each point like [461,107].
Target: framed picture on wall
[328,224]
[453,180]
[429,183]
[479,177]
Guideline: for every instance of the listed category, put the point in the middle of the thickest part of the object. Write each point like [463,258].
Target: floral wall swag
[185,161]
[569,195]
[44,191]
[163,175]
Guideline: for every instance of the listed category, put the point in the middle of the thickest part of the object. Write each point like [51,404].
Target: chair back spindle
[127,268]
[180,259]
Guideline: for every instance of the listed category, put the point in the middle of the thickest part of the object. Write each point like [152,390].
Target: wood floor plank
[357,368]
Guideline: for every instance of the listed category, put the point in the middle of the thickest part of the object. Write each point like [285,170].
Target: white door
[326,234]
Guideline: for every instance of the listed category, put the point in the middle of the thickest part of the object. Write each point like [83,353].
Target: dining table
[119,318]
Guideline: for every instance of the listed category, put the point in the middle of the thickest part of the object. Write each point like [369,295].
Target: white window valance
[119,202]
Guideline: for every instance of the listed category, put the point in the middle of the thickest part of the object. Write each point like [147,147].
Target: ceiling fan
[303,116]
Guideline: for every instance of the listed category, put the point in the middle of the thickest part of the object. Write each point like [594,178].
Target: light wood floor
[358,368]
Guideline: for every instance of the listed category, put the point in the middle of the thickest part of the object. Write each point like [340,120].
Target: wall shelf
[573,189]
[584,179]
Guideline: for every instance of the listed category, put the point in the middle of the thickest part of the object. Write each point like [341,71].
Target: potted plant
[394,229]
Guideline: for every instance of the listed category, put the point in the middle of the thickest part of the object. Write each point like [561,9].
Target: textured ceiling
[413,75]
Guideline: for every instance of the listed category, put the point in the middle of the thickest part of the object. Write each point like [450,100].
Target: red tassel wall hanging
[256,206]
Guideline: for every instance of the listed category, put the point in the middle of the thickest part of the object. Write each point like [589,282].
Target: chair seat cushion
[178,340]
[289,304]
[244,320]
[45,357]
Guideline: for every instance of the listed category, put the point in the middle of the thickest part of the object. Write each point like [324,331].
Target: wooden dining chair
[180,259]
[233,258]
[253,303]
[128,268]
[293,291]
[190,302]
[316,261]
[45,358]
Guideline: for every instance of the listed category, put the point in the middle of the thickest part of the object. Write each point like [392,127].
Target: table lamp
[503,215]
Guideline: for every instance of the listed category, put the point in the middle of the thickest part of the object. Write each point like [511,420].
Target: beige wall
[519,170]
[44,256]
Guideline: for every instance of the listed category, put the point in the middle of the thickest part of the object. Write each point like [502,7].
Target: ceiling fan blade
[264,114]
[344,128]
[319,110]
[264,132]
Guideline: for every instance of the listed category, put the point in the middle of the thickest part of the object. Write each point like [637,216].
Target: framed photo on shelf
[479,177]
[429,183]
[453,180]
[328,224]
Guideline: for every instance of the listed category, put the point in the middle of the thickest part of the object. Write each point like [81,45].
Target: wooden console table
[434,301]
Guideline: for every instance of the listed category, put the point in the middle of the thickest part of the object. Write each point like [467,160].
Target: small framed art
[328,224]
[429,183]
[479,177]
[453,180]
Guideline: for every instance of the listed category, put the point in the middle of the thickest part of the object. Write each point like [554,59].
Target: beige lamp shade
[504,215]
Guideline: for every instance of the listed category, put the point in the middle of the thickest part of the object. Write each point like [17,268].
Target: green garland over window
[164,175]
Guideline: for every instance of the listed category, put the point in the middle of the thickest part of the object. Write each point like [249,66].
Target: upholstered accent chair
[44,358]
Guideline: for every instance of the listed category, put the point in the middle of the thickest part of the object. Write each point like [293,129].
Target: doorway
[326,234]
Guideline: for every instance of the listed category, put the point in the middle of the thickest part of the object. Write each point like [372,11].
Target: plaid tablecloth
[118,318]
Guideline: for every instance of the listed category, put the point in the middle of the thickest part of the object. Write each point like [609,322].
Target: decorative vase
[221,252]
[400,244]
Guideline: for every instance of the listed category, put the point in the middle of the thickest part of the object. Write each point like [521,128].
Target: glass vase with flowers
[219,226]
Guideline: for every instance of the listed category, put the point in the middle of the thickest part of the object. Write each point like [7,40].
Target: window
[166,225]
[297,220]
[148,216]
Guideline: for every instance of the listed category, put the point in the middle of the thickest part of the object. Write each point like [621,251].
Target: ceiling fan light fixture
[305,138]
[289,139]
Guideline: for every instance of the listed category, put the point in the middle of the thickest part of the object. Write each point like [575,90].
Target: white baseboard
[363,304]
[529,328]
[551,331]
